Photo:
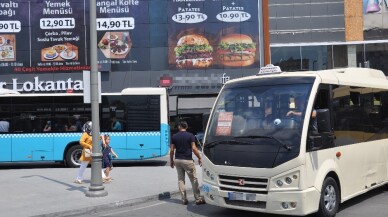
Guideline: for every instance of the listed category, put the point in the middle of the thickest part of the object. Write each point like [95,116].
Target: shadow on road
[145,163]
[71,187]
[44,165]
[211,211]
[357,200]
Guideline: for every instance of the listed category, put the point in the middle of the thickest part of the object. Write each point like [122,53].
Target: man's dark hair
[183,124]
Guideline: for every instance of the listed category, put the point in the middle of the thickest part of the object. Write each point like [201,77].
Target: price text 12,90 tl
[122,23]
[57,23]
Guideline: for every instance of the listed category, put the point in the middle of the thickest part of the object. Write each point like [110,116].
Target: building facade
[316,35]
[190,47]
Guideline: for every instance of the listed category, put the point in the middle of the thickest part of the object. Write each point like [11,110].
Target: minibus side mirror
[323,121]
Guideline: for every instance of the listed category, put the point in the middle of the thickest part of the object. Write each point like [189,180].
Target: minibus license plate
[241,196]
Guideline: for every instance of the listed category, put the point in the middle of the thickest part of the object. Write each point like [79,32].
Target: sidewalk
[51,192]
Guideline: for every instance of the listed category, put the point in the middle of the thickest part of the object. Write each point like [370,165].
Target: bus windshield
[254,120]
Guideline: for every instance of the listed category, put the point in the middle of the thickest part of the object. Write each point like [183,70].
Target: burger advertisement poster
[213,34]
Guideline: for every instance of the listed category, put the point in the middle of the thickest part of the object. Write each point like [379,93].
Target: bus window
[5,114]
[143,113]
[70,115]
[357,114]
[113,113]
[30,115]
[320,124]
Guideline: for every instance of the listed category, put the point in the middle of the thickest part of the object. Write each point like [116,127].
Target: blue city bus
[47,127]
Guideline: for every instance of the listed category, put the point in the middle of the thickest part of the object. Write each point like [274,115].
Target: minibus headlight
[209,175]
[288,180]
[288,205]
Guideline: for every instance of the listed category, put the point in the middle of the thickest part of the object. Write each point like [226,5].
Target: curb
[119,204]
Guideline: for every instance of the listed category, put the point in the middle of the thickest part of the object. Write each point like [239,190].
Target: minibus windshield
[269,117]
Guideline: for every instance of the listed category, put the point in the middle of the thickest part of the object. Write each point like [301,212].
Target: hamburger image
[193,51]
[236,50]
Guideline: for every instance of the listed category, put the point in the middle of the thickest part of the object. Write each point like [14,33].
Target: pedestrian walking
[107,153]
[183,145]
[86,142]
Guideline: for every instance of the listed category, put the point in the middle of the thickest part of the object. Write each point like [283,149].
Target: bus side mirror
[323,121]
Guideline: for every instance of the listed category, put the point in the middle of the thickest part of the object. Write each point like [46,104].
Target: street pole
[261,32]
[266,38]
[96,188]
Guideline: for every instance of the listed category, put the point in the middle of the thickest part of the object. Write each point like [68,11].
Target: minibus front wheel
[330,198]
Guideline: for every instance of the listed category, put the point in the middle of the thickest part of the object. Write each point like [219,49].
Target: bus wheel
[73,155]
[329,201]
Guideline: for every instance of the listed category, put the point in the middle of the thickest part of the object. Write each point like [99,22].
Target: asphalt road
[162,161]
[372,204]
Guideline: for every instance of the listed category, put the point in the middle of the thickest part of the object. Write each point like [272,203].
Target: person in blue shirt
[182,146]
[116,125]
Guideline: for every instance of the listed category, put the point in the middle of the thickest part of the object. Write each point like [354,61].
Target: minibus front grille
[251,204]
[243,190]
[243,184]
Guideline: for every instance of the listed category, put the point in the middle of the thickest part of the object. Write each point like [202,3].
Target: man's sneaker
[185,202]
[200,201]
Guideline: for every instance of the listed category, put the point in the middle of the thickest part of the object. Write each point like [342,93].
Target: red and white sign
[224,125]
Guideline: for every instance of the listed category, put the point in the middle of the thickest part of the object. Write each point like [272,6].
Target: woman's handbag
[87,152]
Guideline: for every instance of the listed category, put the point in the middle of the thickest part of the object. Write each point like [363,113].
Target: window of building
[288,58]
[315,57]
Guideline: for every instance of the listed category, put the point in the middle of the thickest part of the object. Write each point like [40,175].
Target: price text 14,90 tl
[122,23]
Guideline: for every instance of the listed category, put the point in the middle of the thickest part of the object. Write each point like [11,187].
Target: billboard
[42,36]
[133,35]
[213,34]
[375,24]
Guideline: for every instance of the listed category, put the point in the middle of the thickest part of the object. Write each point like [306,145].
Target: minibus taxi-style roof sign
[269,69]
